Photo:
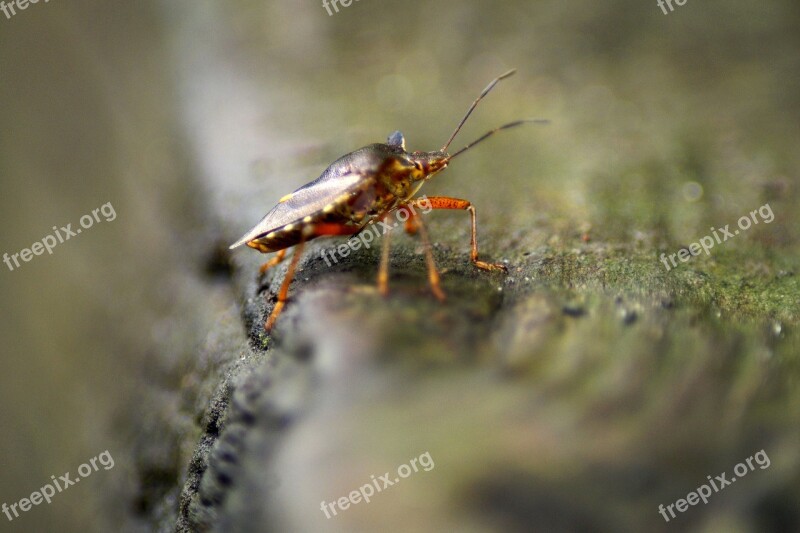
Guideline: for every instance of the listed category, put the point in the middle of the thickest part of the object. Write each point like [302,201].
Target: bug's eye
[418,165]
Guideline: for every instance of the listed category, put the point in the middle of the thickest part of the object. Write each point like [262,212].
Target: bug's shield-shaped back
[335,185]
[343,178]
[305,201]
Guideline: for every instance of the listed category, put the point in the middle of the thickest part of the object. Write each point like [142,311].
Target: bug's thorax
[415,166]
[409,172]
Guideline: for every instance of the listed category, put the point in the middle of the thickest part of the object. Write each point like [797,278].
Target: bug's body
[353,191]
[357,189]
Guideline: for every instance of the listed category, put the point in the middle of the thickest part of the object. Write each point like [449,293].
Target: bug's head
[427,164]
[421,165]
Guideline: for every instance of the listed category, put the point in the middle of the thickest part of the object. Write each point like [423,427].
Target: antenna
[475,103]
[503,127]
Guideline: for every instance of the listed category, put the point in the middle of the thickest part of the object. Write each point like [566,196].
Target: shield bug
[362,188]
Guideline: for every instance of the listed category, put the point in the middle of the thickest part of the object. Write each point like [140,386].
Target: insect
[362,188]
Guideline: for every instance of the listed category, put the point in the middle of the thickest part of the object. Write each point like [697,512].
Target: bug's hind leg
[277,260]
[433,274]
[413,225]
[383,270]
[283,293]
[445,202]
[317,230]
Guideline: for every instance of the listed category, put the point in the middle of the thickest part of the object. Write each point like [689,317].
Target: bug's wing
[311,198]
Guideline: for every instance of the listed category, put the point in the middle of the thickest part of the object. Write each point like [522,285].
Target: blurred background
[575,394]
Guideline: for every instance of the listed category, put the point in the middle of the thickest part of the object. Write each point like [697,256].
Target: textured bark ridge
[553,394]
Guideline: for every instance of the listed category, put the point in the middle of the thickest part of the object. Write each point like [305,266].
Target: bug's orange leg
[412,222]
[283,293]
[316,230]
[445,202]
[433,274]
[272,262]
[383,270]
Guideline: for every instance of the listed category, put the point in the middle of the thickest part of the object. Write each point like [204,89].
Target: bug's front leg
[445,202]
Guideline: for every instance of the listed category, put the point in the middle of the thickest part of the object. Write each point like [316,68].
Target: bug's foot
[383,284]
[438,293]
[491,267]
[273,316]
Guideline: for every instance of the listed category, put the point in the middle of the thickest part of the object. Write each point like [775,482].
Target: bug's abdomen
[352,211]
[281,238]
[355,208]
